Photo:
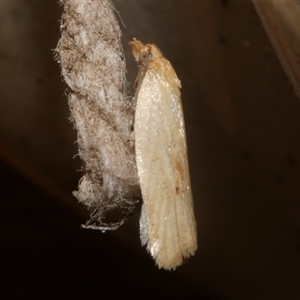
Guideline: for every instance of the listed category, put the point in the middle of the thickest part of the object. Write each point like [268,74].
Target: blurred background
[243,128]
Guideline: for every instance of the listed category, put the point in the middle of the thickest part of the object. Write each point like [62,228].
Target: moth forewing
[167,222]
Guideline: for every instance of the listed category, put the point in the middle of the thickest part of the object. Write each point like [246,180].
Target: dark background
[243,128]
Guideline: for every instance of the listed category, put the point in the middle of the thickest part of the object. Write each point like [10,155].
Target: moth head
[144,53]
[144,56]
[140,51]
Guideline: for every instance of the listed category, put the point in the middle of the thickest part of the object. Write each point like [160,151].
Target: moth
[167,222]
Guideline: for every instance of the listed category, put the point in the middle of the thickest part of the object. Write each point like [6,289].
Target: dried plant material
[167,223]
[93,66]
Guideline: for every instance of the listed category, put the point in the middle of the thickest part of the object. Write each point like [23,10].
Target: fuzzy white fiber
[93,66]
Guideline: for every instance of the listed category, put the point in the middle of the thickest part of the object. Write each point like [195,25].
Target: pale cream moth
[167,222]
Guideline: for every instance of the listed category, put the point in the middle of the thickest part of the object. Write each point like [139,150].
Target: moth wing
[167,221]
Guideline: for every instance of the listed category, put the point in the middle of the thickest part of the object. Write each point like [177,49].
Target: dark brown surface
[46,255]
[243,130]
